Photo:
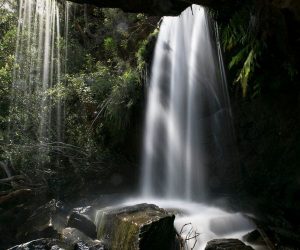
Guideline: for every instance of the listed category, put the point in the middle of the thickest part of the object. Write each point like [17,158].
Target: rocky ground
[58,225]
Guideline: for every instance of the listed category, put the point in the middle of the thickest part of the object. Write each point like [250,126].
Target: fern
[239,57]
[243,46]
[245,72]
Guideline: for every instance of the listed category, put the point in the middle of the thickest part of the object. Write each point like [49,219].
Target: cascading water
[39,61]
[188,112]
[188,131]
[187,123]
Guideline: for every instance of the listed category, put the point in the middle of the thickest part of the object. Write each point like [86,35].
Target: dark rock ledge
[157,7]
[175,7]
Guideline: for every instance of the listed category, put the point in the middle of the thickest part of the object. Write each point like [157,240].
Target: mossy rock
[139,227]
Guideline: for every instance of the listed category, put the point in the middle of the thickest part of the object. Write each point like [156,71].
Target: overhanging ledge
[156,7]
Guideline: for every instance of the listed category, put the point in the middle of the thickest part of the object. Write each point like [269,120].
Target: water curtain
[40,62]
[188,132]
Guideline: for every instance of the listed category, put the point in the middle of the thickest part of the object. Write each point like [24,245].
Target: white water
[188,115]
[187,111]
[188,134]
[39,62]
[207,222]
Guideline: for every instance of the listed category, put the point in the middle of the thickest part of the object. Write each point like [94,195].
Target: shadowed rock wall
[157,7]
[175,7]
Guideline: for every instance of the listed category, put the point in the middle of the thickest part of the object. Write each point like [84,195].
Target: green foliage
[99,93]
[5,83]
[8,17]
[7,48]
[253,41]
[238,39]
[246,71]
[109,45]
[107,96]
[124,96]
[145,52]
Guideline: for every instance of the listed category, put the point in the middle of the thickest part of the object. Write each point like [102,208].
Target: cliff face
[157,7]
[153,7]
[268,137]
[175,7]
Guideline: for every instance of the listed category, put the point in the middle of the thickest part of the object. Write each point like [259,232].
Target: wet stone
[42,244]
[227,244]
[83,223]
[139,227]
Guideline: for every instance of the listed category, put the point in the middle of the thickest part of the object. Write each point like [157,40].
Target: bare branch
[182,228]
[12,178]
[191,235]
[5,168]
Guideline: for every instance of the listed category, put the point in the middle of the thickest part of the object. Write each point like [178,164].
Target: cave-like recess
[175,7]
[158,7]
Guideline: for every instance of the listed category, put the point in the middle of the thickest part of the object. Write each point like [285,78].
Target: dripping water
[38,68]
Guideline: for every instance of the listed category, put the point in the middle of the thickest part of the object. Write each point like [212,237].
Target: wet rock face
[227,244]
[83,223]
[254,237]
[139,227]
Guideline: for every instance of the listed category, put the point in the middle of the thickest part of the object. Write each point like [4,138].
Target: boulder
[139,227]
[96,245]
[45,222]
[41,244]
[254,237]
[79,240]
[89,211]
[72,236]
[83,223]
[227,244]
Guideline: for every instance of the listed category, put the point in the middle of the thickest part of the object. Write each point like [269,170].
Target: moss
[100,224]
[146,51]
[125,236]
[139,227]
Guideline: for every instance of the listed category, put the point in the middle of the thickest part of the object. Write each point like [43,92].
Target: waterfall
[189,146]
[39,64]
[188,130]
